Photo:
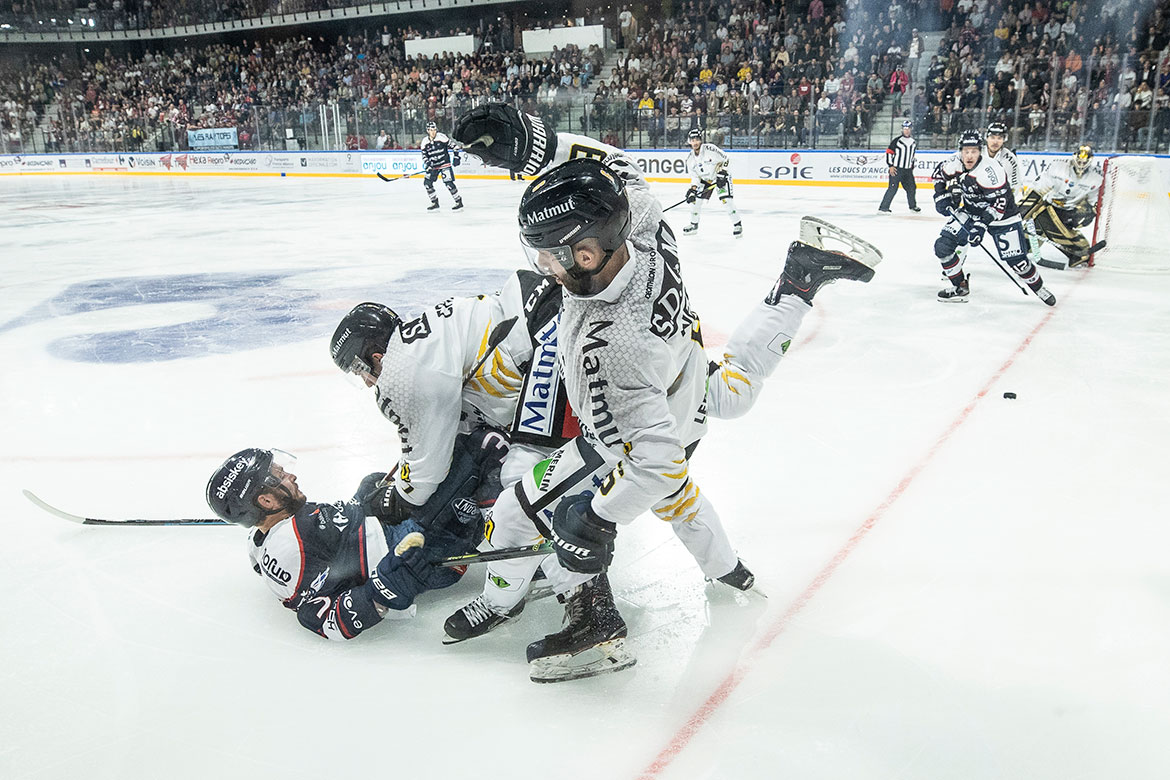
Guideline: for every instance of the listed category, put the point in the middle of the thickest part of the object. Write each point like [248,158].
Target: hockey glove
[975,231]
[400,578]
[692,194]
[721,180]
[371,483]
[388,505]
[456,158]
[583,541]
[500,135]
[945,201]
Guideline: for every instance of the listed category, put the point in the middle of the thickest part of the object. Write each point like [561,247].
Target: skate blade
[952,300]
[723,587]
[558,668]
[539,592]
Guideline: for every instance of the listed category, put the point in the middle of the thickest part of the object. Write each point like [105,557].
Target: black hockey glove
[371,483]
[721,180]
[500,135]
[399,578]
[945,201]
[692,194]
[583,541]
[456,159]
[387,505]
[974,230]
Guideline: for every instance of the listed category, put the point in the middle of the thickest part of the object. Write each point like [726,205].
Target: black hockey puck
[1009,395]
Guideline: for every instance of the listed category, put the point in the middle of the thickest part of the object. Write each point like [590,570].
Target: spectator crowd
[751,73]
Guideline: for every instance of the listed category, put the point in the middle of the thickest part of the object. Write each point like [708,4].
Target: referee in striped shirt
[900,158]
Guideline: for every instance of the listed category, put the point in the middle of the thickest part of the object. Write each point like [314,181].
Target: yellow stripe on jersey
[727,375]
[684,509]
[508,381]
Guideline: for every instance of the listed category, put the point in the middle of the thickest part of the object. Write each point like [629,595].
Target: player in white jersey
[707,165]
[974,193]
[1063,200]
[994,148]
[631,354]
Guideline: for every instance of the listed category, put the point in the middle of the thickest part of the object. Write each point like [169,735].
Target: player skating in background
[994,148]
[973,191]
[707,165]
[1063,200]
[439,161]
[635,371]
[339,571]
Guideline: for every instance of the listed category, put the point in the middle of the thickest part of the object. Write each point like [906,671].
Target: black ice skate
[592,642]
[807,269]
[691,229]
[476,619]
[434,206]
[737,230]
[739,578]
[1044,295]
[458,205]
[958,291]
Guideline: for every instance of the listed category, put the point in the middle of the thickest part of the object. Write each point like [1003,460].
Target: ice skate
[742,579]
[737,230]
[592,642]
[1044,295]
[958,291]
[434,206]
[808,268]
[476,619]
[458,205]
[691,229]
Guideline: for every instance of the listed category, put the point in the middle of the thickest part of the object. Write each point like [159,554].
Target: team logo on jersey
[539,397]
[499,581]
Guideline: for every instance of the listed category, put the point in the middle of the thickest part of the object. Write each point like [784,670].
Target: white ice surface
[960,586]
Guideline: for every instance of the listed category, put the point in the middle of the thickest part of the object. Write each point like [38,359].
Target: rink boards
[832,168]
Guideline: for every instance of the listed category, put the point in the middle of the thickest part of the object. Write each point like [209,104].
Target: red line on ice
[710,707]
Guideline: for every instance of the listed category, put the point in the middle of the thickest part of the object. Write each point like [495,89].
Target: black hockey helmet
[234,487]
[997,128]
[366,330]
[432,126]
[576,200]
[1081,158]
[695,133]
[970,138]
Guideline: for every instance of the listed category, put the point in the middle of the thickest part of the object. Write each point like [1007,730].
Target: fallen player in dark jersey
[344,567]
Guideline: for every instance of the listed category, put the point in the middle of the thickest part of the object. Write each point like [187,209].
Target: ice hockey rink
[959,585]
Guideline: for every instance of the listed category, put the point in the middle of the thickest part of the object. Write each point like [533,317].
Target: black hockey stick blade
[502,554]
[130,521]
[396,178]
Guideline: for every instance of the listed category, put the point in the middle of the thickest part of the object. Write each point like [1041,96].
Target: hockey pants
[448,177]
[726,197]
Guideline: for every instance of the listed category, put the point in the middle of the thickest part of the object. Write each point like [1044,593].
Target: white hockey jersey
[633,359]
[425,388]
[1011,165]
[705,165]
[1061,186]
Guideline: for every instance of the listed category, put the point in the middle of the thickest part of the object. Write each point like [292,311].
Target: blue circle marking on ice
[251,310]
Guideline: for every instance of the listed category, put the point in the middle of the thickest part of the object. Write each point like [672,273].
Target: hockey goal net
[1133,214]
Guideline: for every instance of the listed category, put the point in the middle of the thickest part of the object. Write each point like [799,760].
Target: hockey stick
[396,178]
[121,521]
[502,554]
[706,189]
